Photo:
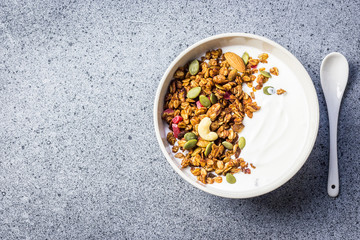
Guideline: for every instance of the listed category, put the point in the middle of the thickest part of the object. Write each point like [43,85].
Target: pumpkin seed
[194,92]
[268,90]
[242,143]
[227,145]
[245,58]
[196,151]
[194,67]
[208,149]
[266,74]
[213,98]
[230,178]
[190,144]
[190,135]
[204,101]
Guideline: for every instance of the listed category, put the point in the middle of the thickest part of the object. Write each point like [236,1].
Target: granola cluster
[222,84]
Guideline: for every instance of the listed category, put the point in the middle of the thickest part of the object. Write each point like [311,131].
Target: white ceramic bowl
[279,137]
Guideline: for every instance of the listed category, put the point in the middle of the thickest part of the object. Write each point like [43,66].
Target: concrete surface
[78,154]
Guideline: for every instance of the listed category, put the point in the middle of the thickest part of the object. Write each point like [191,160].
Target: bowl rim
[280,181]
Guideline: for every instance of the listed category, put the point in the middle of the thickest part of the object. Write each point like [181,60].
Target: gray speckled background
[78,154]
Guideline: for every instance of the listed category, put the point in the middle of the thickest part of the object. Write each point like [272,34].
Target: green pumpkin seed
[213,98]
[266,74]
[196,151]
[194,92]
[268,90]
[204,101]
[227,145]
[194,67]
[230,178]
[242,143]
[245,58]
[190,144]
[190,135]
[208,149]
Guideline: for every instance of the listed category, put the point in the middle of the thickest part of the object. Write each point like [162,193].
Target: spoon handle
[333,178]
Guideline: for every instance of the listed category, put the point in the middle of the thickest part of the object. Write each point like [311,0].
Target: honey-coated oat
[218,83]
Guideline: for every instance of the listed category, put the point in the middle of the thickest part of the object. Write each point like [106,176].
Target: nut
[204,130]
[235,61]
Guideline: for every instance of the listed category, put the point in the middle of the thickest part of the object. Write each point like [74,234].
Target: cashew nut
[204,130]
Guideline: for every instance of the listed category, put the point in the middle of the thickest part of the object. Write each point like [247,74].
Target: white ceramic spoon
[334,73]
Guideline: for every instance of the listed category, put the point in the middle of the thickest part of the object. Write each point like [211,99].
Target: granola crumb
[274,71]
[280,91]
[252,94]
[263,57]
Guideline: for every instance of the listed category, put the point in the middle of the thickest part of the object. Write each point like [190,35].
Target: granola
[280,91]
[216,82]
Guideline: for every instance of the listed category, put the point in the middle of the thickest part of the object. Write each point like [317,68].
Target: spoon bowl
[334,73]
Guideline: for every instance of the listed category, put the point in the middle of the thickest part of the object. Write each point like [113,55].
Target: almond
[235,61]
